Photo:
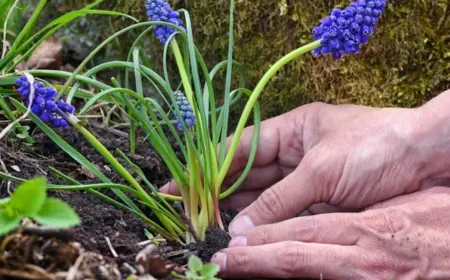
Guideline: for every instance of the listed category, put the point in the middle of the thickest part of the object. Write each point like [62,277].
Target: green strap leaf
[77,156]
[57,213]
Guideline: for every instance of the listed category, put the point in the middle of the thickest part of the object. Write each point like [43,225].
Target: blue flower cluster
[44,105]
[160,10]
[345,31]
[185,110]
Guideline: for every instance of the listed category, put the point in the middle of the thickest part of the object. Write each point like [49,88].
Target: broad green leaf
[57,213]
[4,201]
[210,269]
[29,197]
[191,275]
[195,263]
[7,222]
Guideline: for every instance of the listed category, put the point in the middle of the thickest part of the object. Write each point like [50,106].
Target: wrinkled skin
[343,158]
[404,238]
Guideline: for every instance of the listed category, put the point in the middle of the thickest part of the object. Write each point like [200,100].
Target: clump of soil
[101,221]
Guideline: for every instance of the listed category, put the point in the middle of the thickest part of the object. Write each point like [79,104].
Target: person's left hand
[406,237]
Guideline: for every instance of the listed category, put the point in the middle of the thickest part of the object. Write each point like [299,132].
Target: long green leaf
[226,97]
[77,156]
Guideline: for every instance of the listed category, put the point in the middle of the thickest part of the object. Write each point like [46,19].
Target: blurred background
[406,62]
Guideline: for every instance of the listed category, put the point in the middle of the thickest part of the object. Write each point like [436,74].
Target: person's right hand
[347,156]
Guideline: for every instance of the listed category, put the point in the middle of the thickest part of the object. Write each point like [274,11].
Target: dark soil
[100,220]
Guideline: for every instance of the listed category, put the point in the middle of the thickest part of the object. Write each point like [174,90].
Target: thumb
[170,188]
[284,200]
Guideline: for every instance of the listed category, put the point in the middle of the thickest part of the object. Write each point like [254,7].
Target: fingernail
[221,260]
[240,224]
[164,189]
[238,241]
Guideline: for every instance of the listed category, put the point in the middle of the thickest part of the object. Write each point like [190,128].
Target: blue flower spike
[160,10]
[345,31]
[43,104]
[186,111]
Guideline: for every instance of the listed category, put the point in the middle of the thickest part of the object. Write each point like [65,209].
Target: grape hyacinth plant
[201,157]
[343,32]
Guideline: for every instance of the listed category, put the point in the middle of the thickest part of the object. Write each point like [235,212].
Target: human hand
[403,238]
[348,156]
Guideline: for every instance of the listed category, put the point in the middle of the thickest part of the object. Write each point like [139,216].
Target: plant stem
[252,100]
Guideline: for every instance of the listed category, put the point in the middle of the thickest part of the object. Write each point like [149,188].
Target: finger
[268,146]
[323,208]
[282,201]
[335,228]
[240,201]
[257,178]
[311,183]
[170,188]
[290,259]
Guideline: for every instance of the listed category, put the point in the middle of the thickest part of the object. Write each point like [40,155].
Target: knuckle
[270,204]
[317,106]
[261,236]
[381,266]
[240,261]
[292,258]
[386,221]
[305,231]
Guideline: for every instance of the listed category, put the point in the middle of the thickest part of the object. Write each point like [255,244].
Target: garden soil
[104,228]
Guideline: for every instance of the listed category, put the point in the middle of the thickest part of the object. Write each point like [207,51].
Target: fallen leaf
[47,56]
[148,261]
[86,172]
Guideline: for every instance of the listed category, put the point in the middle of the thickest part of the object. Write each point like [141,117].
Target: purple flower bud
[39,100]
[326,21]
[50,93]
[317,52]
[326,49]
[362,3]
[41,91]
[342,22]
[185,109]
[334,44]
[365,30]
[56,122]
[45,117]
[63,123]
[336,12]
[359,19]
[36,109]
[158,10]
[355,28]
[317,31]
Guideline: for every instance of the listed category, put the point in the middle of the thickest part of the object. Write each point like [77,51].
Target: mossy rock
[406,62]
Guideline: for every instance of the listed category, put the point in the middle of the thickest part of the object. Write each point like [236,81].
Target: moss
[406,62]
